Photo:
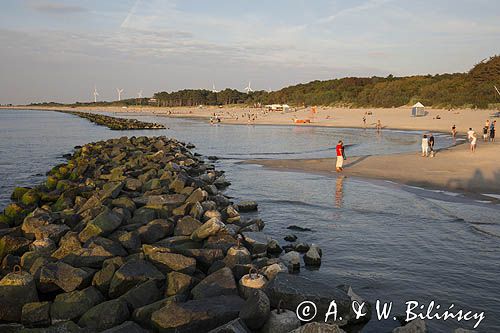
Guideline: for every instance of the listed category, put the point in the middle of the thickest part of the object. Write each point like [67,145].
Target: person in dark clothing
[431,144]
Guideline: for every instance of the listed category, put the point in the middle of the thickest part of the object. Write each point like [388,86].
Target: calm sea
[390,242]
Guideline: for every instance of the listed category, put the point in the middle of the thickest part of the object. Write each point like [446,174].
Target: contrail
[130,14]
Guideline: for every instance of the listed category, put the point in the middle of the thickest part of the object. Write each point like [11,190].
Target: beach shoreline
[453,168]
[391,118]
[448,170]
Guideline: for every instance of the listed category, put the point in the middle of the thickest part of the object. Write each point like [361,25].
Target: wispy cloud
[365,6]
[56,7]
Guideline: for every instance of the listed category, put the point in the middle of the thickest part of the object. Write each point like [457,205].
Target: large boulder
[218,283]
[294,289]
[102,278]
[155,230]
[197,316]
[71,306]
[281,321]
[36,314]
[256,241]
[142,294]
[178,283]
[167,262]
[104,224]
[105,315]
[209,228]
[186,226]
[143,314]
[131,274]
[318,327]
[61,275]
[247,206]
[169,200]
[256,309]
[312,257]
[291,260]
[13,245]
[16,290]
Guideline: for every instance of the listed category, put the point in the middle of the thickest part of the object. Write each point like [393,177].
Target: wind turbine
[213,89]
[95,94]
[249,89]
[119,91]
[139,97]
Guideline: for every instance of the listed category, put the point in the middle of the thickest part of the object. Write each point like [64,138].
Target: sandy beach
[455,168]
[393,118]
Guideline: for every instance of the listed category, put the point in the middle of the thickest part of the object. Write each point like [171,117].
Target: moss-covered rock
[18,193]
[4,221]
[51,182]
[14,213]
[30,198]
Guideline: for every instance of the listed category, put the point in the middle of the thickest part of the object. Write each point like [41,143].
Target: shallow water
[390,242]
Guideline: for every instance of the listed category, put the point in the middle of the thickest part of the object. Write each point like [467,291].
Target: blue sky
[56,50]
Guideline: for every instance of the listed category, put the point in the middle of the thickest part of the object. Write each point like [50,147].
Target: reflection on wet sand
[339,194]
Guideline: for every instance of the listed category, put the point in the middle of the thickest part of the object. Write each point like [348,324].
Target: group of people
[489,129]
[428,142]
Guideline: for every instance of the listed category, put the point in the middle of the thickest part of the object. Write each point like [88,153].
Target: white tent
[418,110]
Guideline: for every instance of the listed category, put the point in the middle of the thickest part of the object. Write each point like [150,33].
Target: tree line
[472,89]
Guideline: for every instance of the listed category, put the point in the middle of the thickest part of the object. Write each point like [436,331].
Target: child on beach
[425,146]
[473,143]
[431,144]
[340,156]
[485,133]
[454,131]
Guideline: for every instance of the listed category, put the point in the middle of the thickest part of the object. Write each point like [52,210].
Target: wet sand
[454,168]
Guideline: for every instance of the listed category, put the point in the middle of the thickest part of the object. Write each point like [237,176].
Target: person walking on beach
[431,144]
[425,146]
[470,134]
[454,132]
[492,131]
[340,156]
[473,143]
[379,125]
[485,133]
[364,121]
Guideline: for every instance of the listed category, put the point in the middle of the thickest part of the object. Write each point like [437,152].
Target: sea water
[388,241]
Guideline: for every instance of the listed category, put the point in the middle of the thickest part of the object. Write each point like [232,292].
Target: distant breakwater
[115,123]
[136,234]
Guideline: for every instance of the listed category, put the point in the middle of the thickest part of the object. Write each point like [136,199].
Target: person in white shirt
[425,146]
[473,143]
[470,134]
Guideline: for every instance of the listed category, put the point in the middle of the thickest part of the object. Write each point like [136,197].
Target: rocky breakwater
[136,235]
[115,123]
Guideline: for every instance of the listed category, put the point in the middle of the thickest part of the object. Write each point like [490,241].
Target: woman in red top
[340,156]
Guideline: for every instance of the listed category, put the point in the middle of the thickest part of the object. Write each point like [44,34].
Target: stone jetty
[115,123]
[136,235]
